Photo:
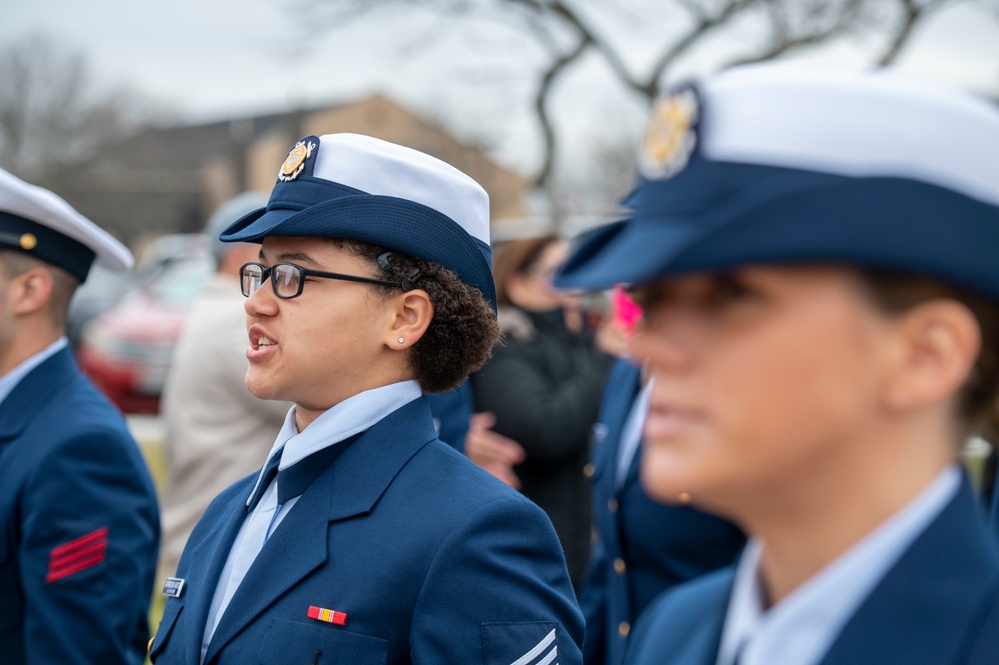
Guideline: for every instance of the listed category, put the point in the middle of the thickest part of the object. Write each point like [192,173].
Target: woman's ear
[940,342]
[410,319]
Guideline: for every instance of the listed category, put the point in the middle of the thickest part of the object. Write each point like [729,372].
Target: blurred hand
[612,338]
[493,452]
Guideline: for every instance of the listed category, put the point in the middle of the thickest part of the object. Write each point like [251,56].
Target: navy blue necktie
[294,480]
[270,470]
[297,478]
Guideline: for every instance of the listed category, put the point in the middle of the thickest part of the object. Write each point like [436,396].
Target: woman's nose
[666,338]
[261,302]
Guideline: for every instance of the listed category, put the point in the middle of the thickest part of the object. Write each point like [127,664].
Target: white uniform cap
[39,223]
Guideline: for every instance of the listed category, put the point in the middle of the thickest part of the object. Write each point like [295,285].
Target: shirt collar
[10,380]
[802,626]
[631,434]
[342,421]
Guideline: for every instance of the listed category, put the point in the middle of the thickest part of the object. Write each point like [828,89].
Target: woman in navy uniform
[79,527]
[642,547]
[814,252]
[365,539]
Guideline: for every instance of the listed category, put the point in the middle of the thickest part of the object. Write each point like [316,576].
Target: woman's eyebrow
[295,257]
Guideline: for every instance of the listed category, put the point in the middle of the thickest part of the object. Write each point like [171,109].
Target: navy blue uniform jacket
[644,547]
[79,527]
[939,604]
[432,560]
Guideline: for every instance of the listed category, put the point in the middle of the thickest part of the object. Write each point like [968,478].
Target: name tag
[173,587]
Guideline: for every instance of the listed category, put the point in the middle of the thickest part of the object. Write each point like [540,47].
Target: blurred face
[324,346]
[533,289]
[762,376]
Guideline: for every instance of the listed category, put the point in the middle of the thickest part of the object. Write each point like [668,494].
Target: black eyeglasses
[288,279]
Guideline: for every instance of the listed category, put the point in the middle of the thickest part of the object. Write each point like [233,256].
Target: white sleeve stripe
[552,655]
[533,653]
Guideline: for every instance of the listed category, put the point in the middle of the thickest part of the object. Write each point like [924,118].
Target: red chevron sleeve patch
[78,554]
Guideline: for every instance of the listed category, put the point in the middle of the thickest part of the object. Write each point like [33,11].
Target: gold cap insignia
[28,241]
[670,137]
[295,161]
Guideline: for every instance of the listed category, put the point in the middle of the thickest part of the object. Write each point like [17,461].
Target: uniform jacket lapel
[623,386]
[922,610]
[33,391]
[349,488]
[688,630]
[703,642]
[210,555]
[634,466]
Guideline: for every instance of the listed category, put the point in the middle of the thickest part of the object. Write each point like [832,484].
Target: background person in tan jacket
[217,432]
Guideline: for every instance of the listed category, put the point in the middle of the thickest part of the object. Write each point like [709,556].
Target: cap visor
[624,252]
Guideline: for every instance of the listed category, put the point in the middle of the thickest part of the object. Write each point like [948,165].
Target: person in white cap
[364,538]
[216,431]
[815,255]
[79,526]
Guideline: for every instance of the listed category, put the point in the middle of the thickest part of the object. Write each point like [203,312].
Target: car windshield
[180,282]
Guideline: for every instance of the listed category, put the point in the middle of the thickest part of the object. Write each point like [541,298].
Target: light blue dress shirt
[631,433]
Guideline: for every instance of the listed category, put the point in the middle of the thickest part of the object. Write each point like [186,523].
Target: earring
[402,340]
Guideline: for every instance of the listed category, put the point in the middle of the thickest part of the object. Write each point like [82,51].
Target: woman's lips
[261,345]
[667,421]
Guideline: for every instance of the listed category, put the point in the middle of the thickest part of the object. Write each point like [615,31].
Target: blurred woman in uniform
[815,255]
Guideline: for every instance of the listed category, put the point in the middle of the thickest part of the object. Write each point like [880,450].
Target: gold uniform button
[612,505]
[588,470]
[619,566]
[623,629]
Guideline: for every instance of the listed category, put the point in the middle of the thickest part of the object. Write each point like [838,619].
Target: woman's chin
[663,479]
[258,387]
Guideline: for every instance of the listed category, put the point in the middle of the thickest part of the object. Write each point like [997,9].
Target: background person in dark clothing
[544,384]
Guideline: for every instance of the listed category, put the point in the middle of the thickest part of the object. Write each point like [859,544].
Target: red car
[127,350]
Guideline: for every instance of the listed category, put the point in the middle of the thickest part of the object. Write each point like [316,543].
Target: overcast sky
[213,59]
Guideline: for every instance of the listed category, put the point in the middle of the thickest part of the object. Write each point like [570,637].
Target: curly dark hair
[978,400]
[463,330]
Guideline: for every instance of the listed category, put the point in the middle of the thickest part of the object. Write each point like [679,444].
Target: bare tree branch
[784,41]
[571,17]
[565,30]
[912,13]
[51,115]
[541,109]
[703,25]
